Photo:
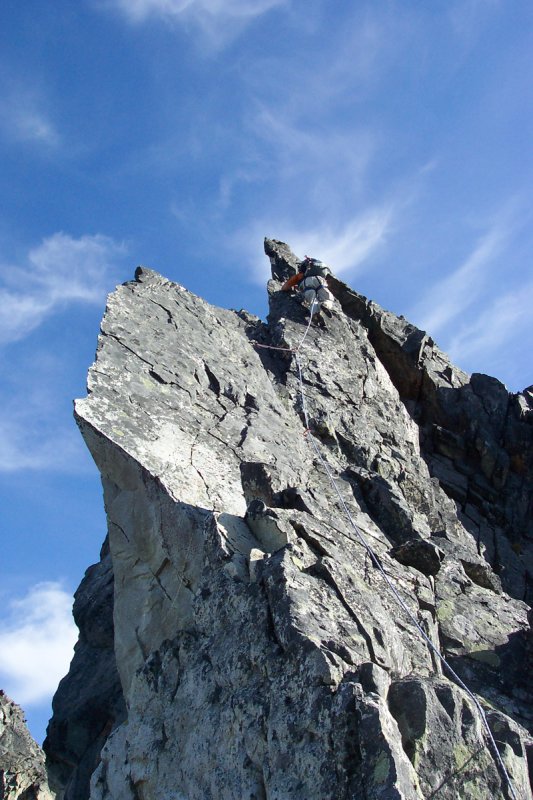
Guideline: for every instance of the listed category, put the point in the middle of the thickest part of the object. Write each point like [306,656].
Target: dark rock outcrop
[259,650]
[89,702]
[475,436]
[22,770]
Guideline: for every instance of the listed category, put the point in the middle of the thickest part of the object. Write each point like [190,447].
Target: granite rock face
[22,768]
[89,702]
[259,651]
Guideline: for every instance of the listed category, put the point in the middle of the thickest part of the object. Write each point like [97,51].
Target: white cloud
[344,248]
[449,297]
[506,319]
[315,147]
[37,637]
[303,107]
[30,440]
[219,20]
[139,10]
[305,146]
[20,314]
[24,118]
[36,429]
[60,271]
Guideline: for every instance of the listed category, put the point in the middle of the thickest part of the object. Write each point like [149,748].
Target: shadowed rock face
[22,769]
[258,649]
[476,438]
[89,702]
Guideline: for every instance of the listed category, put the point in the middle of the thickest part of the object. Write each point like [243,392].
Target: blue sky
[390,139]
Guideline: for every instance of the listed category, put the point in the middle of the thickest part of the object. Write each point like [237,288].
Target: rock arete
[237,642]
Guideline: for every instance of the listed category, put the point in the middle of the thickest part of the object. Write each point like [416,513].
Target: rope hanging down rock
[491,745]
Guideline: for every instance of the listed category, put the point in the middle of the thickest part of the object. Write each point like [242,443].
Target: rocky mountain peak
[283,262]
[260,502]
[22,764]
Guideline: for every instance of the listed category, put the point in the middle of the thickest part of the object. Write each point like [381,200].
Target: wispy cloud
[301,108]
[448,298]
[467,16]
[305,170]
[219,20]
[321,73]
[506,319]
[30,440]
[346,248]
[60,271]
[317,148]
[37,431]
[304,147]
[37,636]
[138,10]
[24,117]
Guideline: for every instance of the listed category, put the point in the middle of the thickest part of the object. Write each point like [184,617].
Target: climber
[311,282]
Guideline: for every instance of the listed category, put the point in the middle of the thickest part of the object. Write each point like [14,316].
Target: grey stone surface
[22,769]
[89,702]
[260,652]
[476,438]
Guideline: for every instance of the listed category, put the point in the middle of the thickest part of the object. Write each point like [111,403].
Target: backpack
[312,267]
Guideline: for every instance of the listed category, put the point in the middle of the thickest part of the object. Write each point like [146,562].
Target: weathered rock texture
[89,703]
[22,768]
[259,652]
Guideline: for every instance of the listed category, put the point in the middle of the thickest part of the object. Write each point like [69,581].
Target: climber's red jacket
[287,286]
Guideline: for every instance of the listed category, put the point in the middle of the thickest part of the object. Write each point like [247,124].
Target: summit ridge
[250,646]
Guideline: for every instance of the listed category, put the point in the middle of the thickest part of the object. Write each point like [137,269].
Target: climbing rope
[299,345]
[411,616]
[492,746]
